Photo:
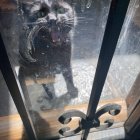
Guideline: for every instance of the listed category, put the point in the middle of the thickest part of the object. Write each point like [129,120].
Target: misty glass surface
[45,68]
[125,65]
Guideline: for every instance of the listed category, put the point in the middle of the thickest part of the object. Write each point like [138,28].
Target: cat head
[56,16]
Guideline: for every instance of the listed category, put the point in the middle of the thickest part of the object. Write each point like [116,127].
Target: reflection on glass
[7,107]
[10,122]
[125,65]
[54,47]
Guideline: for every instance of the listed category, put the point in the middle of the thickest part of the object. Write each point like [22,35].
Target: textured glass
[125,65]
[54,47]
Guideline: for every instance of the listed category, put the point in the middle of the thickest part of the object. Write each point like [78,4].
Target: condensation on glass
[48,47]
[125,67]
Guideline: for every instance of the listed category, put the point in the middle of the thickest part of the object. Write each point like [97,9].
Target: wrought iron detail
[85,123]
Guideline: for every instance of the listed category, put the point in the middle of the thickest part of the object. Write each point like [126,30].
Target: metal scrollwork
[66,117]
[112,109]
[85,123]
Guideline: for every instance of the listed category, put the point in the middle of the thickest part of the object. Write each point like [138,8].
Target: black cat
[45,39]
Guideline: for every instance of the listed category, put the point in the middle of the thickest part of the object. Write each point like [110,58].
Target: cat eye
[60,10]
[42,12]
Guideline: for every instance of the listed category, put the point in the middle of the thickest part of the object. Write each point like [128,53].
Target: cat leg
[72,90]
[50,91]
[67,71]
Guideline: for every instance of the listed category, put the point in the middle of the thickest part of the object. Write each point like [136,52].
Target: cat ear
[25,5]
[30,6]
[69,1]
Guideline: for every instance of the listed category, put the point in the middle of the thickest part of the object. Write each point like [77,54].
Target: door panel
[53,47]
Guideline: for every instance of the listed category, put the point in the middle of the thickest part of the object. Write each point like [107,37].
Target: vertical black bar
[115,21]
[15,90]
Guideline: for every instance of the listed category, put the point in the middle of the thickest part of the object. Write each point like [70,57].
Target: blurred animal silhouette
[45,40]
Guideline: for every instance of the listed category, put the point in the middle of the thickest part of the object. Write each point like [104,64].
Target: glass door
[55,48]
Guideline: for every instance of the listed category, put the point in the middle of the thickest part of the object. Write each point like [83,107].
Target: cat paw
[40,99]
[67,96]
[50,94]
[43,108]
[73,92]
